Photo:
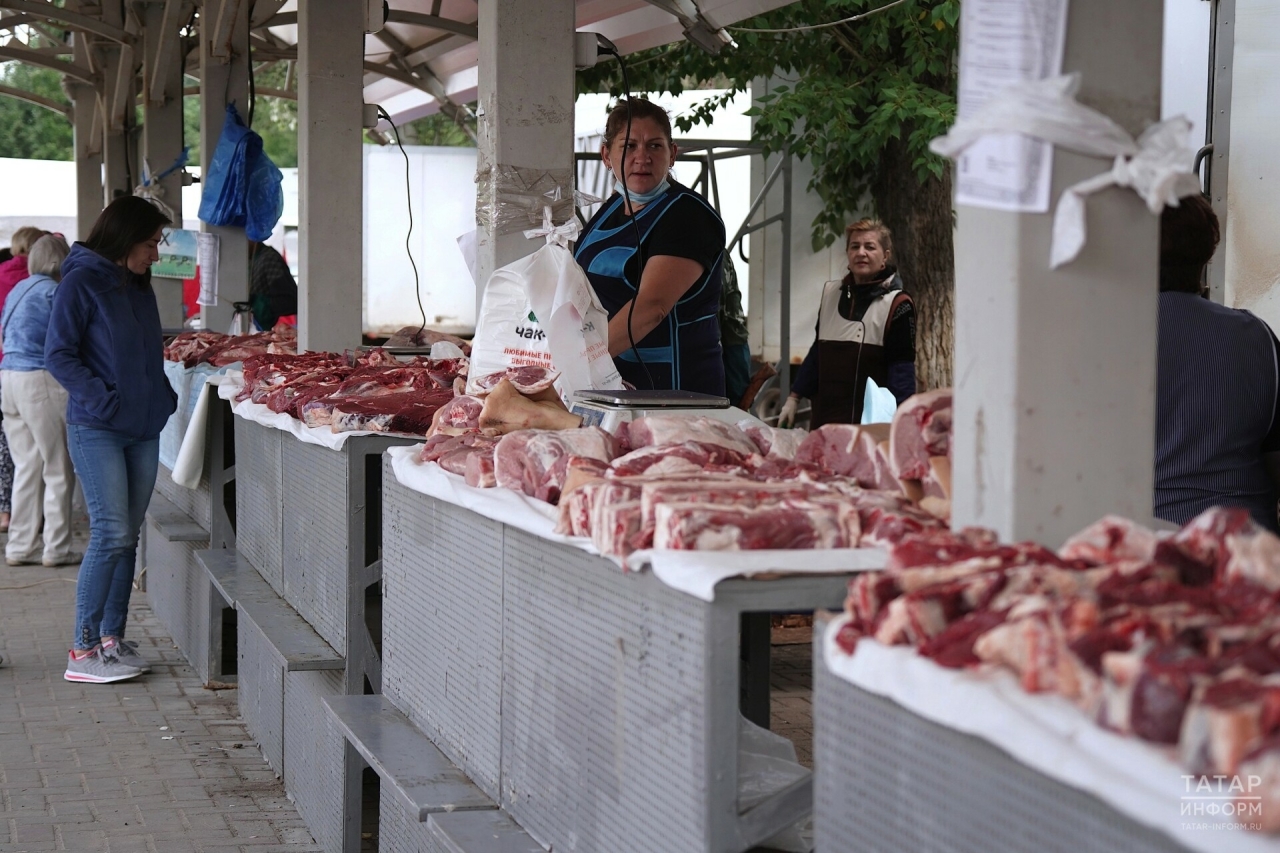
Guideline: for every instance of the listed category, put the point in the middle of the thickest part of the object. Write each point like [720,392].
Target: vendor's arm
[900,351]
[666,278]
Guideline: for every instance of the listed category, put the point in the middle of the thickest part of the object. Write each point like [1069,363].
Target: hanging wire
[803,29]
[408,191]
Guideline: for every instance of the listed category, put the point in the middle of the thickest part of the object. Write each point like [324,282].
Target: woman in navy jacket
[104,346]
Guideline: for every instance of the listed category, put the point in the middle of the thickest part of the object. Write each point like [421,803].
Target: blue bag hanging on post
[242,187]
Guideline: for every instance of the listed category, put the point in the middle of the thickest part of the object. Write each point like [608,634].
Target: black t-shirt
[689,229]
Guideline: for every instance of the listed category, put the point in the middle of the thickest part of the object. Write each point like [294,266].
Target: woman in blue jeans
[104,346]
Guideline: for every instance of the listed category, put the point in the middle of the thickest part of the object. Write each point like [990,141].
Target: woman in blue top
[35,417]
[668,320]
[104,346]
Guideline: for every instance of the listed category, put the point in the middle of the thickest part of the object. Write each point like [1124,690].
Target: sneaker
[20,561]
[97,667]
[127,653]
[71,558]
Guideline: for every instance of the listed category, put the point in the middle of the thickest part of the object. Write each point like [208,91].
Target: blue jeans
[117,474]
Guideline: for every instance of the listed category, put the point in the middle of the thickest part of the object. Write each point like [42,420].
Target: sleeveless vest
[683,351]
[849,351]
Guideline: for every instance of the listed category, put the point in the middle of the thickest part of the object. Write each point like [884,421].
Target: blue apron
[683,351]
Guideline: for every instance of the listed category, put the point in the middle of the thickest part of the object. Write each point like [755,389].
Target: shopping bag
[542,311]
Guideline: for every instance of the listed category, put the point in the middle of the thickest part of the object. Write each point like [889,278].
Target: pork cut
[921,428]
[657,430]
[528,380]
[525,461]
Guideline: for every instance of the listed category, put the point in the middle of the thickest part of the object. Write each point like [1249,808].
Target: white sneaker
[98,668]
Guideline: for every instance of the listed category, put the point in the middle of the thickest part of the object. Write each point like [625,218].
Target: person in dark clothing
[1217,385]
[104,346]
[273,293]
[662,297]
[866,330]
[733,336]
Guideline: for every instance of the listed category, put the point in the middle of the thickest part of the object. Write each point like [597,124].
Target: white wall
[1185,83]
[444,201]
[1253,186]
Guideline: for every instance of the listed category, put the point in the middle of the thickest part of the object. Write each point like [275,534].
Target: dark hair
[639,108]
[1189,234]
[126,222]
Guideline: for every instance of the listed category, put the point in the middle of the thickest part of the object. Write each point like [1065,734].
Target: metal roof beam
[395,16]
[175,11]
[39,59]
[73,20]
[38,100]
[434,86]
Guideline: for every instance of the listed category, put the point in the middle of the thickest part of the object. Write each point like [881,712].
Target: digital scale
[608,409]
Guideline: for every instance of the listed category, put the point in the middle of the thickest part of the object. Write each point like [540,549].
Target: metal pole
[784,285]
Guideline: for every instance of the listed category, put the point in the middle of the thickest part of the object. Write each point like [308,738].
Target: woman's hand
[666,278]
[787,417]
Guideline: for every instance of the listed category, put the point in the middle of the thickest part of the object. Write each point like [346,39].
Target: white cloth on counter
[233,384]
[694,573]
[1044,731]
[697,572]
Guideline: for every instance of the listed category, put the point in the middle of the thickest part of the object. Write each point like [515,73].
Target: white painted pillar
[526,108]
[224,68]
[162,128]
[1056,370]
[330,174]
[88,155]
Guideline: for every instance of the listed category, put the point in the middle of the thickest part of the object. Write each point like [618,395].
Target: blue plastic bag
[878,404]
[242,187]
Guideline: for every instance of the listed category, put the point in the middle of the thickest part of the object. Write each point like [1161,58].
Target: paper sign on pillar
[541,311]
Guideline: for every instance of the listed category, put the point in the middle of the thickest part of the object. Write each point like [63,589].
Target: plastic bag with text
[542,311]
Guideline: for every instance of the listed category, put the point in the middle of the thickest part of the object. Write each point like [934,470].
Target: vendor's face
[649,155]
[144,254]
[866,255]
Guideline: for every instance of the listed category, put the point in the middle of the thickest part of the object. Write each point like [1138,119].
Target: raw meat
[921,429]
[786,524]
[1109,539]
[459,414]
[526,460]
[772,442]
[656,430]
[850,450]
[700,455]
[527,380]
[507,410]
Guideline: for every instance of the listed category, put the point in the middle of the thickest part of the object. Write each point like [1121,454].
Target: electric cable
[408,192]
[611,49]
[810,27]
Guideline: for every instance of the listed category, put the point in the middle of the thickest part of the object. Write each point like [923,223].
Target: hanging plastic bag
[242,186]
[242,321]
[542,311]
[878,404]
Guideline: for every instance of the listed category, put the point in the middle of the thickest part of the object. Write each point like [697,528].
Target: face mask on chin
[643,198]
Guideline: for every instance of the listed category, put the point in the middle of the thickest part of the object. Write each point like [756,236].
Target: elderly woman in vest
[1217,404]
[35,418]
[866,330]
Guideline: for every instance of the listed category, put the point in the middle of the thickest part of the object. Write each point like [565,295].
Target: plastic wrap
[513,199]
[1157,165]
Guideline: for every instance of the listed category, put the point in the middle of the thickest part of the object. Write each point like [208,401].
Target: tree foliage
[28,131]
[859,88]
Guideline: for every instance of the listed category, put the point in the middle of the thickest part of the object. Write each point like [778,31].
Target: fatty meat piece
[1225,722]
[921,428]
[1108,540]
[850,450]
[525,460]
[478,471]
[460,413]
[772,442]
[699,455]
[658,430]
[787,525]
[614,525]
[528,380]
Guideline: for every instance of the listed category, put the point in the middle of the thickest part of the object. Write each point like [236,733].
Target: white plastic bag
[767,763]
[878,404]
[542,311]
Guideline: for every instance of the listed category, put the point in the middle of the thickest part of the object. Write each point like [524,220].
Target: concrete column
[88,154]
[330,174]
[1056,370]
[162,128]
[526,106]
[224,68]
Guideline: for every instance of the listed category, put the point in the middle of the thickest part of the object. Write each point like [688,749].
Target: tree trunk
[920,217]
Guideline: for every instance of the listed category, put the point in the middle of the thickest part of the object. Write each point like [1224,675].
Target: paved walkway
[154,765]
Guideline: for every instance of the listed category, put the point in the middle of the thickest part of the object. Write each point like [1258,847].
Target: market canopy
[422,62]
